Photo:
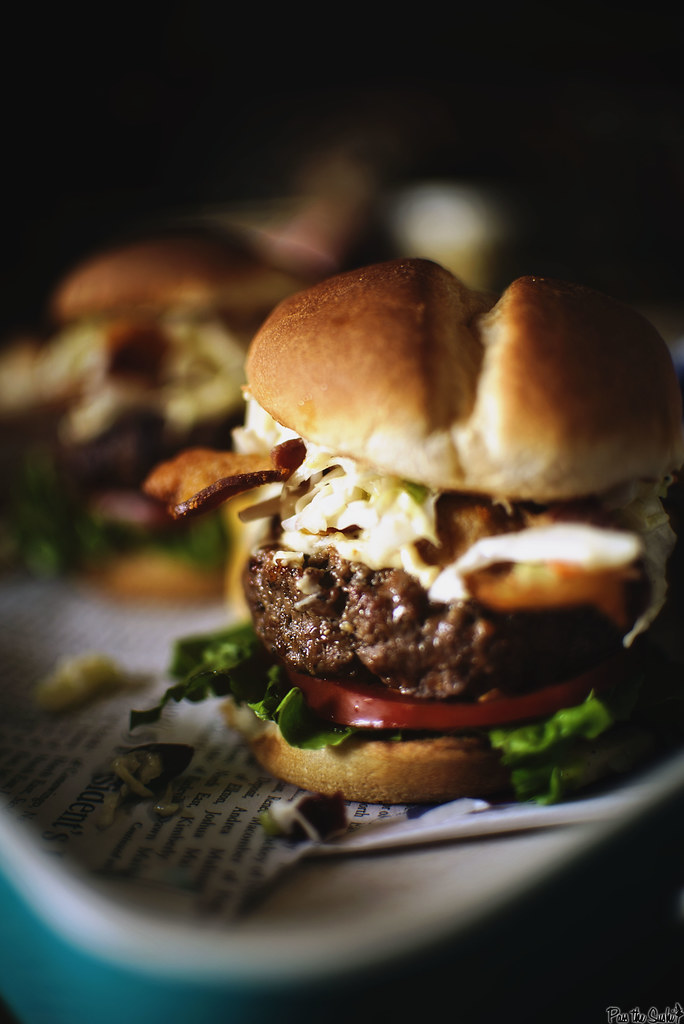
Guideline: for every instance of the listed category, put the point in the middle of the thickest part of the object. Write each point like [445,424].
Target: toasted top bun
[189,271]
[554,391]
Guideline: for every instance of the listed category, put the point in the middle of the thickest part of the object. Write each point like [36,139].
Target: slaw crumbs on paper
[79,678]
[143,772]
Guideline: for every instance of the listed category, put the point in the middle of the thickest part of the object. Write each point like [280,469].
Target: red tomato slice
[375,707]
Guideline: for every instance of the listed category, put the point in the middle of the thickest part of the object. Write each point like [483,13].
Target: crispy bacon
[198,480]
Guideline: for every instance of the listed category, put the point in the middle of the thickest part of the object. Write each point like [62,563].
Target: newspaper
[207,852]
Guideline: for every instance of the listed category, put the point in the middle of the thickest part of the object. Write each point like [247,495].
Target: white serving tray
[403,889]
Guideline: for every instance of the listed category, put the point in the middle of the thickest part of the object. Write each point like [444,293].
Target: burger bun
[188,271]
[420,771]
[528,397]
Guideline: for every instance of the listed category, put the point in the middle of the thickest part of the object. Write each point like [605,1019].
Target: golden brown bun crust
[177,270]
[352,362]
[553,391]
[155,577]
[385,772]
[586,393]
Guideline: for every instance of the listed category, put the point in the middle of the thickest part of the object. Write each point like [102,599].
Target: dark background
[111,117]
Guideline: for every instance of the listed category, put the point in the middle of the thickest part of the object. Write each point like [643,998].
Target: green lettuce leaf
[547,758]
[301,728]
[232,662]
[51,531]
[228,661]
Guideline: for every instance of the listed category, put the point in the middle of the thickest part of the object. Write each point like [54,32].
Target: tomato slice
[371,706]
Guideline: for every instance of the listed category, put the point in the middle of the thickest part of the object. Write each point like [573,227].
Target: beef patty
[125,452]
[326,616]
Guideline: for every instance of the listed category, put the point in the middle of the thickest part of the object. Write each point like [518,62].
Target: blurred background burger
[143,350]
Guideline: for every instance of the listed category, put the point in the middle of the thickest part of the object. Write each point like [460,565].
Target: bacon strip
[198,480]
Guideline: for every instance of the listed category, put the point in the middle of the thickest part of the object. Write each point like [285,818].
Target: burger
[143,354]
[459,538]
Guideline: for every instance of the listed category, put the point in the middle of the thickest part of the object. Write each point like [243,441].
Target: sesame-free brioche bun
[185,270]
[550,392]
[377,771]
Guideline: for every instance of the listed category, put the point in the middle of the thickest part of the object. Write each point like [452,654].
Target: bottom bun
[154,576]
[415,771]
[377,771]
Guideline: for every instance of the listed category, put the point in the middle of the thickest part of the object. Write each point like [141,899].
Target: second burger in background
[463,538]
[145,356]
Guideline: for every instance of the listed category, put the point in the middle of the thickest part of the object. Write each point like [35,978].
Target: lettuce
[548,758]
[544,757]
[51,532]
[301,728]
[46,527]
[232,662]
[227,662]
